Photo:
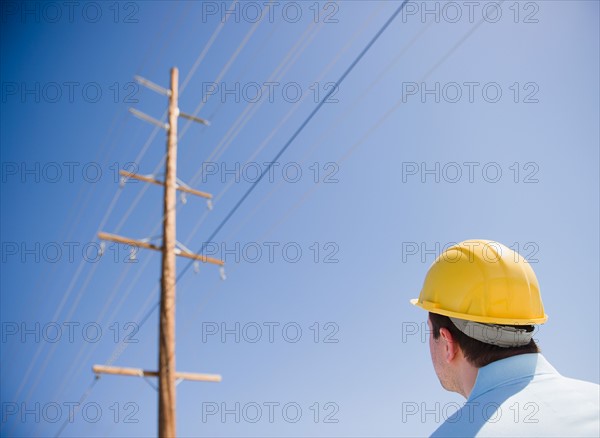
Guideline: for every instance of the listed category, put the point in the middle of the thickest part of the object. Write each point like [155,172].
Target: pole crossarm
[151,85]
[128,241]
[194,118]
[146,245]
[151,180]
[138,372]
[149,119]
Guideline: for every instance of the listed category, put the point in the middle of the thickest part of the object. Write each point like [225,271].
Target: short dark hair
[479,354]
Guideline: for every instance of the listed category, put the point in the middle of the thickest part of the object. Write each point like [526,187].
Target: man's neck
[466,376]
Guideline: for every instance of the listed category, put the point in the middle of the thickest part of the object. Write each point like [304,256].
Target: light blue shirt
[525,396]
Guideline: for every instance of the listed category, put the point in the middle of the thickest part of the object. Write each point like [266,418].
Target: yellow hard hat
[483,281]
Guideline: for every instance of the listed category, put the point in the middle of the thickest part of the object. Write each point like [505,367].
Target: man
[484,301]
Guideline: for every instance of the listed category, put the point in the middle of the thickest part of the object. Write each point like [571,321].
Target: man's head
[483,300]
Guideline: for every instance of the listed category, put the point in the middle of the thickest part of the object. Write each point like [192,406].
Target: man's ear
[451,347]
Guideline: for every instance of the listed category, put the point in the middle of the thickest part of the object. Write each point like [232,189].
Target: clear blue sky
[476,122]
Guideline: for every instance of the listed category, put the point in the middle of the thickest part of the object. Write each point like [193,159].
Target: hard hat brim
[434,308]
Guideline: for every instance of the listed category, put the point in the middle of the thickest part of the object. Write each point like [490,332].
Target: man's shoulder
[557,386]
[548,405]
[581,384]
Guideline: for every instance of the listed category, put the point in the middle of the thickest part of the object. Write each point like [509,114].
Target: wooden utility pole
[166,355]
[167,374]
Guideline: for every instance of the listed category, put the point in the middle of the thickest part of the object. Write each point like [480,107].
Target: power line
[285,146]
[374,127]
[293,109]
[208,46]
[83,397]
[225,69]
[251,109]
[349,152]
[143,190]
[294,52]
[104,220]
[299,130]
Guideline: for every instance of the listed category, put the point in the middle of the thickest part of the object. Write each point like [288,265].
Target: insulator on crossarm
[196,267]
[209,204]
[222,273]
[183,198]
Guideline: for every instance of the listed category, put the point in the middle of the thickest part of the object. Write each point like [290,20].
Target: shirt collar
[511,369]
